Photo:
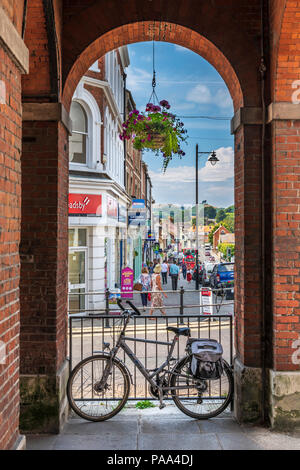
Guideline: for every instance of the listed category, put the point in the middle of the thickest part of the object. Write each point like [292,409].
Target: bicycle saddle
[185,331]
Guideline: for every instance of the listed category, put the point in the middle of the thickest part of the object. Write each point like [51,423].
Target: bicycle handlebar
[119,302]
[133,307]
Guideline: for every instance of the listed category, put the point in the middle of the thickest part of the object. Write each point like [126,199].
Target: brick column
[44,267]
[13,63]
[284,397]
[246,125]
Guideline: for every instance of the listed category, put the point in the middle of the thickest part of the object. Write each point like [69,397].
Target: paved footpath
[167,429]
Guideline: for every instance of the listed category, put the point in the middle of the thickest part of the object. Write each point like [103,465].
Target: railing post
[107,307]
[181,304]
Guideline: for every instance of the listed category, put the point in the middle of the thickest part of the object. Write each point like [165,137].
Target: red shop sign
[85,204]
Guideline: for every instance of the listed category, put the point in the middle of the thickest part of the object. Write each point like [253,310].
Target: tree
[229,221]
[230,209]
[221,214]
[210,212]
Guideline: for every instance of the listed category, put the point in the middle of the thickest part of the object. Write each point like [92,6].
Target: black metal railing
[89,329]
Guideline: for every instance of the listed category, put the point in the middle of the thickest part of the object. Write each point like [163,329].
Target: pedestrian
[156,297]
[183,269]
[174,272]
[151,268]
[164,272]
[189,275]
[145,280]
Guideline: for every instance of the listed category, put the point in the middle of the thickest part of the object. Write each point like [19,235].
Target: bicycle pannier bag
[206,359]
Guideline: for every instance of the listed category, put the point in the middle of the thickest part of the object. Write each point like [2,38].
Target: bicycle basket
[206,362]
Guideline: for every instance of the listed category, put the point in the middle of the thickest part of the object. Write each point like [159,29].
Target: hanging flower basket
[157,140]
[155,129]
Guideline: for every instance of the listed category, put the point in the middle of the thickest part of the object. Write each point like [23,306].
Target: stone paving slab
[167,429]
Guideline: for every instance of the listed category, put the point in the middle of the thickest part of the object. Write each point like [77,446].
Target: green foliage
[229,221]
[210,212]
[230,209]
[156,130]
[144,404]
[221,214]
[222,247]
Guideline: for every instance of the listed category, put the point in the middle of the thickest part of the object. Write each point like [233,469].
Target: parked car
[222,275]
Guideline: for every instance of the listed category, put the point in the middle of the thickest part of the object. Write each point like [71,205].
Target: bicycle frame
[121,344]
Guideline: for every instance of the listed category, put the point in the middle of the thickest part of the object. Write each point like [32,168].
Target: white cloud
[136,77]
[201,94]
[177,186]
[223,170]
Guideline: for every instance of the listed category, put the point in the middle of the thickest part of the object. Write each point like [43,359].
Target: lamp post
[213,159]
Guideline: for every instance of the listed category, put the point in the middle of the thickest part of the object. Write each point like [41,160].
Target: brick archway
[157,31]
[247,129]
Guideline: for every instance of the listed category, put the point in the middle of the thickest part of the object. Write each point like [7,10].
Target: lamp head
[213,159]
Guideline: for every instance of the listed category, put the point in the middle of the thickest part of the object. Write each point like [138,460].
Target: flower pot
[157,140]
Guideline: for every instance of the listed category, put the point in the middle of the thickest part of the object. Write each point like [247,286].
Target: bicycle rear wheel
[82,391]
[203,399]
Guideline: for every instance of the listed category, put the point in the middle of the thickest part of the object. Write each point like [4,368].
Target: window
[78,139]
[77,269]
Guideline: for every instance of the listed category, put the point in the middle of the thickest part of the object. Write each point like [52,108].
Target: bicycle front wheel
[201,399]
[82,392]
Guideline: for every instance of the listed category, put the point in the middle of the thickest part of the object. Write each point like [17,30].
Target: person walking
[156,297]
[183,269]
[189,275]
[145,280]
[164,272]
[174,272]
[151,268]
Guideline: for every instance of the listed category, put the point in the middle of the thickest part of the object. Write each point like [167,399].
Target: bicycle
[99,386]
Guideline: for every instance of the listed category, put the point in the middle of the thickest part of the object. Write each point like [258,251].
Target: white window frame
[93,141]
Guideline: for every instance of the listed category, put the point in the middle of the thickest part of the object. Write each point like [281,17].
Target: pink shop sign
[127,283]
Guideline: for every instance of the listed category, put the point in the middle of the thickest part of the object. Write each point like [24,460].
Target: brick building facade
[46,46]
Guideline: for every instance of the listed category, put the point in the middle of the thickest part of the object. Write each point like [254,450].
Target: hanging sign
[127,283]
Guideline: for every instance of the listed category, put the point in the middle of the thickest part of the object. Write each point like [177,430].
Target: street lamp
[213,159]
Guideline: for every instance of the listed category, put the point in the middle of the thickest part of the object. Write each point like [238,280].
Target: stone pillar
[44,267]
[14,61]
[246,125]
[284,372]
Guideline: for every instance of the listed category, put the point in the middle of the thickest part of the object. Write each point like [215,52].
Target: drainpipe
[124,118]
[262,70]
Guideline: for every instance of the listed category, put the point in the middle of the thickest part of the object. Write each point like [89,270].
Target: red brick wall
[36,85]
[286,243]
[286,190]
[14,10]
[43,286]
[10,203]
[247,246]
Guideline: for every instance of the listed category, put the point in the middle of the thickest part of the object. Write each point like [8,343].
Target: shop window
[79,137]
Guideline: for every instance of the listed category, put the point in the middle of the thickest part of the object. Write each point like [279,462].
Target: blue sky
[192,87]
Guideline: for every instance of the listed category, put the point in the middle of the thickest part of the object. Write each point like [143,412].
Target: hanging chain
[153,94]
